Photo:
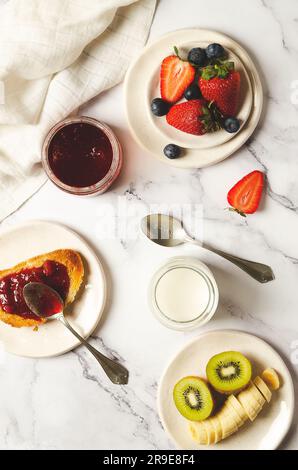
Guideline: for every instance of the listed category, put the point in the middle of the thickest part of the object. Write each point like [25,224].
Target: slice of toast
[75,269]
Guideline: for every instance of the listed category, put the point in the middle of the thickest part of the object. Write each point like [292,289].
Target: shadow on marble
[228,283]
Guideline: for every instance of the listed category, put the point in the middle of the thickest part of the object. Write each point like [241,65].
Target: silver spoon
[45,302]
[167,231]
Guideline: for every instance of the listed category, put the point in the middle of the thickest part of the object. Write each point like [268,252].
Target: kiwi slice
[229,371]
[193,398]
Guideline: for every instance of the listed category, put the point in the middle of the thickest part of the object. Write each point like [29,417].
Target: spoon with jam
[45,302]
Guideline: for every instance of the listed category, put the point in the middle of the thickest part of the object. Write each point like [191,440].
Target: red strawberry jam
[80,154]
[50,273]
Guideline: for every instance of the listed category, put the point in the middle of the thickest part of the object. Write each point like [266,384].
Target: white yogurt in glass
[183,293]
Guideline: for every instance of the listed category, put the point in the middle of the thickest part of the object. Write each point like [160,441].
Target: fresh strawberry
[245,196]
[192,116]
[221,84]
[175,76]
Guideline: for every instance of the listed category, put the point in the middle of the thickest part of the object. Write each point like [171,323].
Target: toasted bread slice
[75,269]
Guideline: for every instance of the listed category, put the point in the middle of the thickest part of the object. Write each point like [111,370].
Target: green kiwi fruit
[229,372]
[193,398]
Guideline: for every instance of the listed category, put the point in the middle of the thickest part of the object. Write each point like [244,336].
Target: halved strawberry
[175,76]
[221,84]
[192,116]
[245,196]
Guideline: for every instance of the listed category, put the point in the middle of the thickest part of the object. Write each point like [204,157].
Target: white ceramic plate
[208,140]
[154,135]
[33,238]
[273,423]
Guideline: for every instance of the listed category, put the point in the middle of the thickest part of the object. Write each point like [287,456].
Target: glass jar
[103,184]
[183,293]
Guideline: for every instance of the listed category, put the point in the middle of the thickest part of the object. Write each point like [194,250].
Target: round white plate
[141,79]
[210,139]
[37,237]
[270,427]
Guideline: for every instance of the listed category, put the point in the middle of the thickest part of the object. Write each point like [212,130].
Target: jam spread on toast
[51,273]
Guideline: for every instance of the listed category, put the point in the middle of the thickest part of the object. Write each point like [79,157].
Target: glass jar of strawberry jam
[82,156]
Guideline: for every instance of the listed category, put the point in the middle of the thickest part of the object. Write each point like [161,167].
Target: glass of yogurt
[183,293]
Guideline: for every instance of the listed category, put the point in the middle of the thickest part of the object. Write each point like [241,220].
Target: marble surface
[66,402]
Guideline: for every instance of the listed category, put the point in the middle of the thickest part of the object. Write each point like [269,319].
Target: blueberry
[197,56]
[159,107]
[192,92]
[172,151]
[231,125]
[215,51]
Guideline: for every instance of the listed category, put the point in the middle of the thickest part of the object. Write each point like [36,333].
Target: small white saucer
[52,339]
[153,134]
[273,423]
[208,140]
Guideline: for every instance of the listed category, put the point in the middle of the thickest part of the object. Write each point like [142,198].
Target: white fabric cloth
[54,56]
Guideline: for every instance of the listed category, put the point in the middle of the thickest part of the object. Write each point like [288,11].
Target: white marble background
[66,402]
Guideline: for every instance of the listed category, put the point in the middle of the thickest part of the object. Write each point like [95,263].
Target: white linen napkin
[54,56]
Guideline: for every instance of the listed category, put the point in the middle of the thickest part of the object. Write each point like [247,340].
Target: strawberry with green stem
[220,84]
[193,117]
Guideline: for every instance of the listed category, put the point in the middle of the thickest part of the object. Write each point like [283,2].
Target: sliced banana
[217,427]
[232,400]
[227,421]
[257,394]
[255,397]
[237,418]
[233,414]
[265,391]
[271,379]
[251,407]
[210,431]
[198,432]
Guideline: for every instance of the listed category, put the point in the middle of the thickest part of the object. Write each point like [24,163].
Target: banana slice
[237,418]
[260,384]
[257,394]
[271,379]
[198,432]
[251,408]
[206,432]
[227,421]
[217,427]
[210,431]
[232,401]
[255,398]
